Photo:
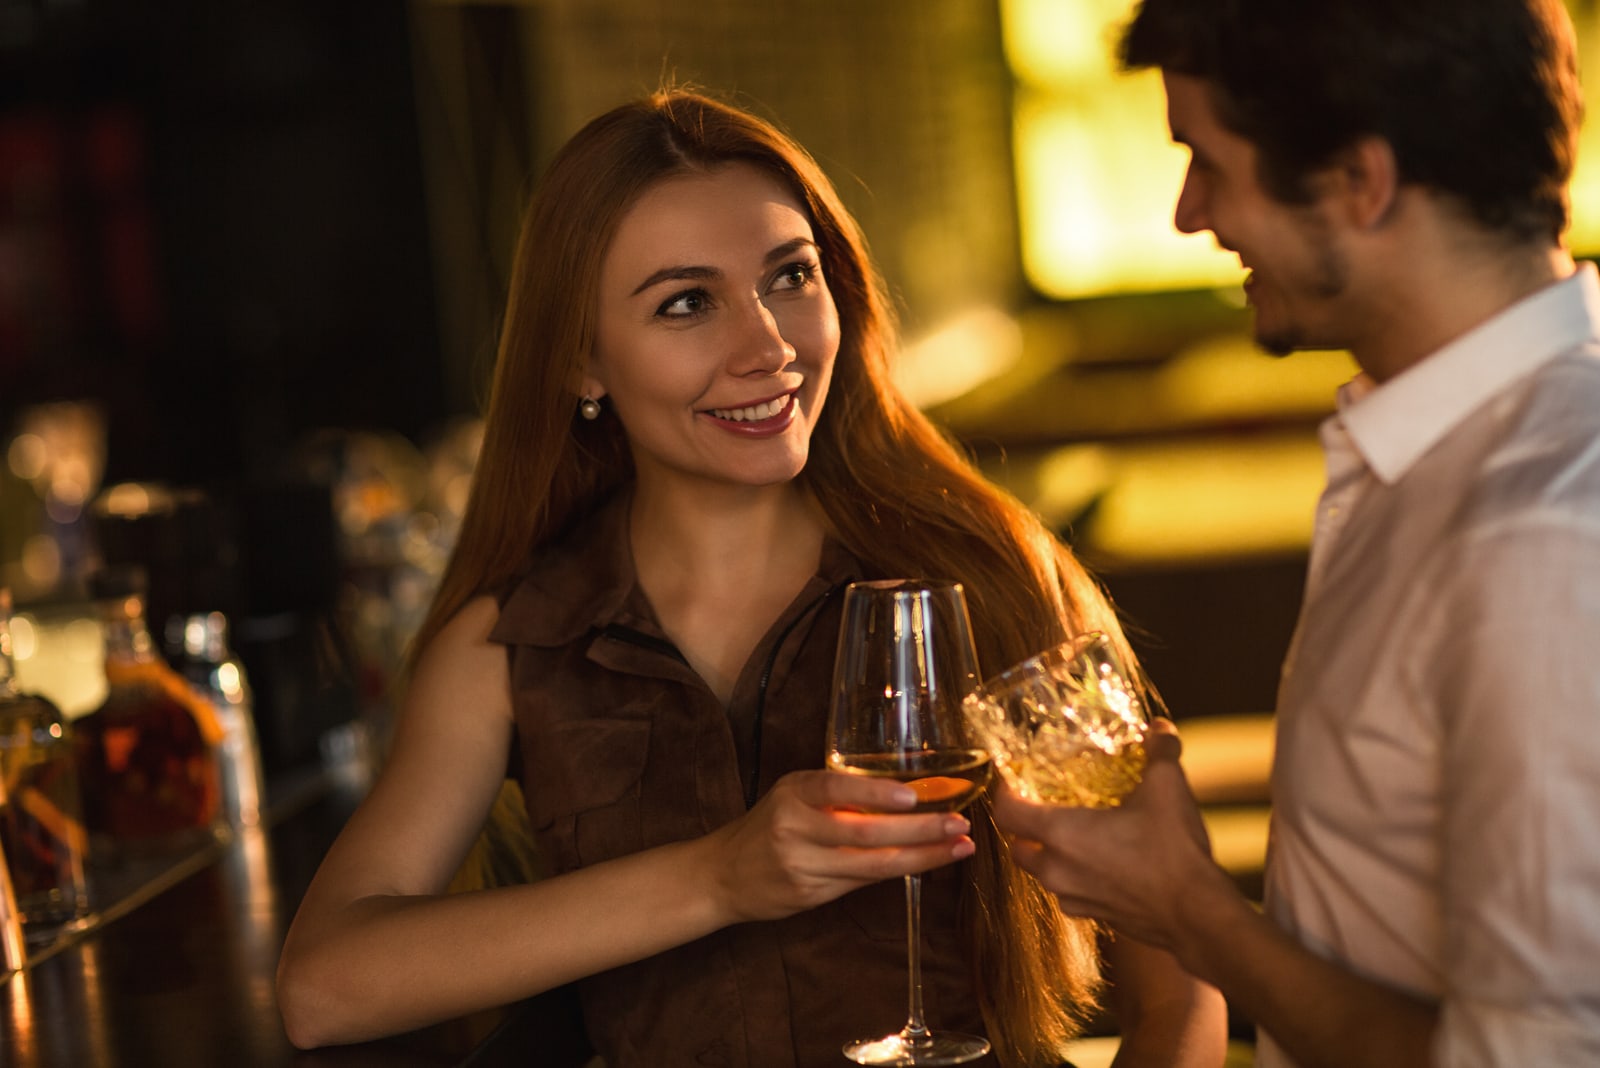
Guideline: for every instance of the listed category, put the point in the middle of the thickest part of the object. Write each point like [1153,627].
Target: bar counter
[176,967]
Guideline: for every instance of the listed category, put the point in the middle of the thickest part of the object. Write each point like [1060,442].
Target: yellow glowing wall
[1097,177]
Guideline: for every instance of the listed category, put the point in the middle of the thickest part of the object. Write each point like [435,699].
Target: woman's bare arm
[378,948]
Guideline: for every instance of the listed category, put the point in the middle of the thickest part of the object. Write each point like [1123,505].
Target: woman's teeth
[765,410]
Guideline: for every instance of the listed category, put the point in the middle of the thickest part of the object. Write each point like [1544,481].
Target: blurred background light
[1098,177]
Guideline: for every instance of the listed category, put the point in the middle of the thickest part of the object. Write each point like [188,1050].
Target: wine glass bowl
[944,780]
[1065,726]
[905,664]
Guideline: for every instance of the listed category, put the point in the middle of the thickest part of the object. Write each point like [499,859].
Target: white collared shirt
[1436,791]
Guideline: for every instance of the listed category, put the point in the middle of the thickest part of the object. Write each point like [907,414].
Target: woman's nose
[760,347]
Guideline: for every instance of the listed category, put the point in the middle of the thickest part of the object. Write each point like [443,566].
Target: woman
[692,444]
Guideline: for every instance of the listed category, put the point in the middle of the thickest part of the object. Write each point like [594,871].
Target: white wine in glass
[906,663]
[1066,726]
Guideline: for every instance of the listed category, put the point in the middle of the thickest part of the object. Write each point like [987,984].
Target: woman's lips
[757,420]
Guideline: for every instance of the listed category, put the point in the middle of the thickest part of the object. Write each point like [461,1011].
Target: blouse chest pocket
[583,781]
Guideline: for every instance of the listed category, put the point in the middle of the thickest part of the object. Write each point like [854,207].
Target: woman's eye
[795,275]
[684,305]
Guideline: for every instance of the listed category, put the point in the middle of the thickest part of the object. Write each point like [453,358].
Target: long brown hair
[896,492]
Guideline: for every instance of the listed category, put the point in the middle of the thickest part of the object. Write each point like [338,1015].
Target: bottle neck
[201,636]
[8,666]
[8,663]
[127,636]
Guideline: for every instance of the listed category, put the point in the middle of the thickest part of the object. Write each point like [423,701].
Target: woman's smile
[717,332]
[760,419]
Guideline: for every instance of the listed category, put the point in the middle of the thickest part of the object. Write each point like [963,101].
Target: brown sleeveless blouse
[623,747]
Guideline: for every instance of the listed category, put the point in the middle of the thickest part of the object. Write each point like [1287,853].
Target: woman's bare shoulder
[466,631]
[462,659]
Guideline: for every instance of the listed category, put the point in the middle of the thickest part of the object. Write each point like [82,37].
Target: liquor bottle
[41,823]
[13,955]
[149,756]
[197,645]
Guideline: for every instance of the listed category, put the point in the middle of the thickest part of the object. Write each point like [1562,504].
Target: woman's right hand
[817,835]
[376,915]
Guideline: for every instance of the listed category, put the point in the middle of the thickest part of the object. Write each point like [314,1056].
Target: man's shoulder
[1559,403]
[1544,462]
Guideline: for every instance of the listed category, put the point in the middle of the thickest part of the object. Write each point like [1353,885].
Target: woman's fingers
[836,810]
[858,866]
[819,835]
[870,866]
[863,830]
[837,789]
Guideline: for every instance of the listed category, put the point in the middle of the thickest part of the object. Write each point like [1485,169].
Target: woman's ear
[589,385]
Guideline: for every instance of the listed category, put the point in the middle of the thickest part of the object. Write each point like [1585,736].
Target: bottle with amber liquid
[197,647]
[149,756]
[41,823]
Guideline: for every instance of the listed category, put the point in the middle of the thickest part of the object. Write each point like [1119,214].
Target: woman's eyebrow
[790,247]
[684,272]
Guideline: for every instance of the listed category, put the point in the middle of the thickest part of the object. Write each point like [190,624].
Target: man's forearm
[1319,1012]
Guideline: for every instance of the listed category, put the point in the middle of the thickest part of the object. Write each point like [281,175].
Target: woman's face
[716,332]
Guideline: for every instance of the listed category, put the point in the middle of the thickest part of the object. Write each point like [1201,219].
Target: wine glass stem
[915,1030]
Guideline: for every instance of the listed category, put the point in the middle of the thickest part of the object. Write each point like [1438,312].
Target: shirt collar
[1393,424]
[581,580]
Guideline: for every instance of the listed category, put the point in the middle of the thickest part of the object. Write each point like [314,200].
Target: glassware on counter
[41,822]
[13,950]
[149,757]
[1065,726]
[198,646]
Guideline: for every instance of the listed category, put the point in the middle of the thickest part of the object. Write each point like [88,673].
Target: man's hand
[1131,866]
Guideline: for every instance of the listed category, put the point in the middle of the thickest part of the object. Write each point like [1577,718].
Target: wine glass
[906,662]
[1065,726]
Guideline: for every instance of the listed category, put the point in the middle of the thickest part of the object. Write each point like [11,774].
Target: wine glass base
[945,1047]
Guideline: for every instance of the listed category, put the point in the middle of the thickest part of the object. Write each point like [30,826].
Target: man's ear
[1366,180]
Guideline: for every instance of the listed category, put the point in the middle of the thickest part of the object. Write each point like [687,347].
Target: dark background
[216,227]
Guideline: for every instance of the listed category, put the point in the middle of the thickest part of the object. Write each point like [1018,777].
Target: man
[1393,177]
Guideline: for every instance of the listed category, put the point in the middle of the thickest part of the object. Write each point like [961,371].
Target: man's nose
[1190,215]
